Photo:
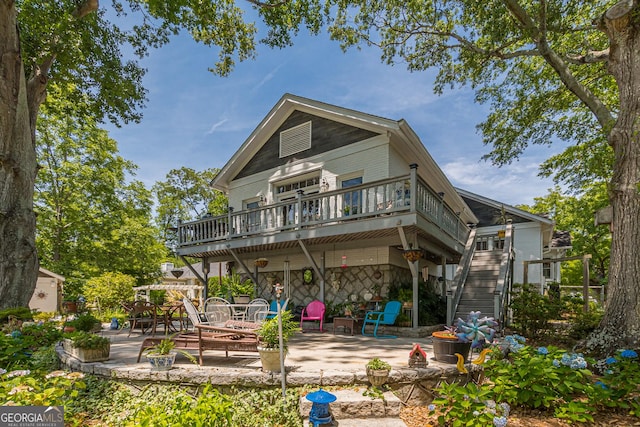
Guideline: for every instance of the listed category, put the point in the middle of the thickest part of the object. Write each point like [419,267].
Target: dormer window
[295,139]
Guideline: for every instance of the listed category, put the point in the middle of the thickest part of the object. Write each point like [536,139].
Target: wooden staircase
[478,292]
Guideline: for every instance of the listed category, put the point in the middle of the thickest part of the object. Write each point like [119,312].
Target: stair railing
[455,292]
[502,293]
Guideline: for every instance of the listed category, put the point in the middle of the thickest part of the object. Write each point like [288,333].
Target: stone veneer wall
[341,285]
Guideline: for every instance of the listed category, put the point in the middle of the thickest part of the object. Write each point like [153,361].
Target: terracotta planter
[445,349]
[377,377]
[270,358]
[161,362]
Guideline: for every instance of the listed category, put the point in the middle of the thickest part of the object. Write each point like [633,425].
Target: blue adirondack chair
[386,317]
[273,308]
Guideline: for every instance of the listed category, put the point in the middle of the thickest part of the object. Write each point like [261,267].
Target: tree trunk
[621,322]
[18,258]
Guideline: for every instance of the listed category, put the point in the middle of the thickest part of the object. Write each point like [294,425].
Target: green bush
[87,340]
[109,290]
[84,322]
[533,311]
[22,313]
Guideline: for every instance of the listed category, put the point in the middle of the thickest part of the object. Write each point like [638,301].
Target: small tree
[110,289]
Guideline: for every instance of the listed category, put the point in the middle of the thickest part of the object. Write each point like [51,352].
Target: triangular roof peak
[289,103]
[488,210]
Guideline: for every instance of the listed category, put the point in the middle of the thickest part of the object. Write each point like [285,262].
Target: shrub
[532,311]
[110,289]
[84,322]
[87,340]
[21,313]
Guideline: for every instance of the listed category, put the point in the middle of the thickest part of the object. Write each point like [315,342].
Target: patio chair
[273,308]
[313,312]
[386,317]
[218,310]
[142,315]
[195,317]
[257,310]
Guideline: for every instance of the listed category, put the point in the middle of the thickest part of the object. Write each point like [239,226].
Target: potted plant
[474,332]
[162,356]
[269,341]
[87,347]
[406,296]
[378,371]
[403,320]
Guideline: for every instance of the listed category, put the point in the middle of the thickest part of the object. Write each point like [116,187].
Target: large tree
[72,43]
[91,217]
[186,195]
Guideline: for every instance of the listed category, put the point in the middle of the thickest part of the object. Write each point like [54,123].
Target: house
[336,205]
[47,296]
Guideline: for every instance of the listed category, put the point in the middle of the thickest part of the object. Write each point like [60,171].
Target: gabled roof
[491,212]
[399,132]
[43,272]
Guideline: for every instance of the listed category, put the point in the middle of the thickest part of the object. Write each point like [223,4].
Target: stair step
[352,404]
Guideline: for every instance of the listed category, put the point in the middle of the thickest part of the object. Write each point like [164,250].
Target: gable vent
[295,140]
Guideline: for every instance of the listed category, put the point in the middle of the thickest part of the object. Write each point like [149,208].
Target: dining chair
[218,310]
[313,312]
[142,315]
[257,310]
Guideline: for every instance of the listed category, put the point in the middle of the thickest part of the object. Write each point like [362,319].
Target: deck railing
[384,197]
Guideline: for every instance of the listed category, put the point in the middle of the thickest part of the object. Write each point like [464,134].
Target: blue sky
[196,119]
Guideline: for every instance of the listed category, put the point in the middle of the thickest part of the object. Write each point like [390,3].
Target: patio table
[346,322]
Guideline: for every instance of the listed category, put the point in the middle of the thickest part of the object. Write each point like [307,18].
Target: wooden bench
[234,335]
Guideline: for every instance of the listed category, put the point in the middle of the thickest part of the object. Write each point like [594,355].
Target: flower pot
[445,349]
[270,358]
[86,355]
[161,362]
[241,299]
[377,377]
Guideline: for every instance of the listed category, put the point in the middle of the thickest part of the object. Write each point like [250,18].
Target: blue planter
[161,362]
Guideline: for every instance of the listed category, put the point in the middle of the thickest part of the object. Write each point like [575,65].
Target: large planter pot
[86,354]
[241,299]
[270,358]
[445,349]
[161,362]
[377,377]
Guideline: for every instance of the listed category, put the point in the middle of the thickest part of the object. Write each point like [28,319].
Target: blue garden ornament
[476,329]
[320,413]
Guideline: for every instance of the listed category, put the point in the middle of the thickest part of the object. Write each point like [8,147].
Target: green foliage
[431,306]
[466,405]
[110,289]
[185,196]
[84,322]
[24,388]
[22,313]
[92,218]
[17,348]
[231,285]
[210,408]
[532,311]
[268,331]
[575,213]
[166,346]
[376,363]
[87,340]
[45,359]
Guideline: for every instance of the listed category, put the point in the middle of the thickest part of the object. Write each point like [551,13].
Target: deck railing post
[230,219]
[413,182]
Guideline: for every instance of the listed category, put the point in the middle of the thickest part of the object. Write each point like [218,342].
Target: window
[351,202]
[546,270]
[482,244]
[286,192]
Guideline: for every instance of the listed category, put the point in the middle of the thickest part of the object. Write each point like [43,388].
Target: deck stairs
[480,284]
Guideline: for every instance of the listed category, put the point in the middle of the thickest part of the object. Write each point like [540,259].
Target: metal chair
[386,317]
[218,310]
[143,315]
[313,312]
[257,310]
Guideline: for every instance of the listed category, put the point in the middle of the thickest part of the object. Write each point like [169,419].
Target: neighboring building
[47,296]
[187,280]
[343,196]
